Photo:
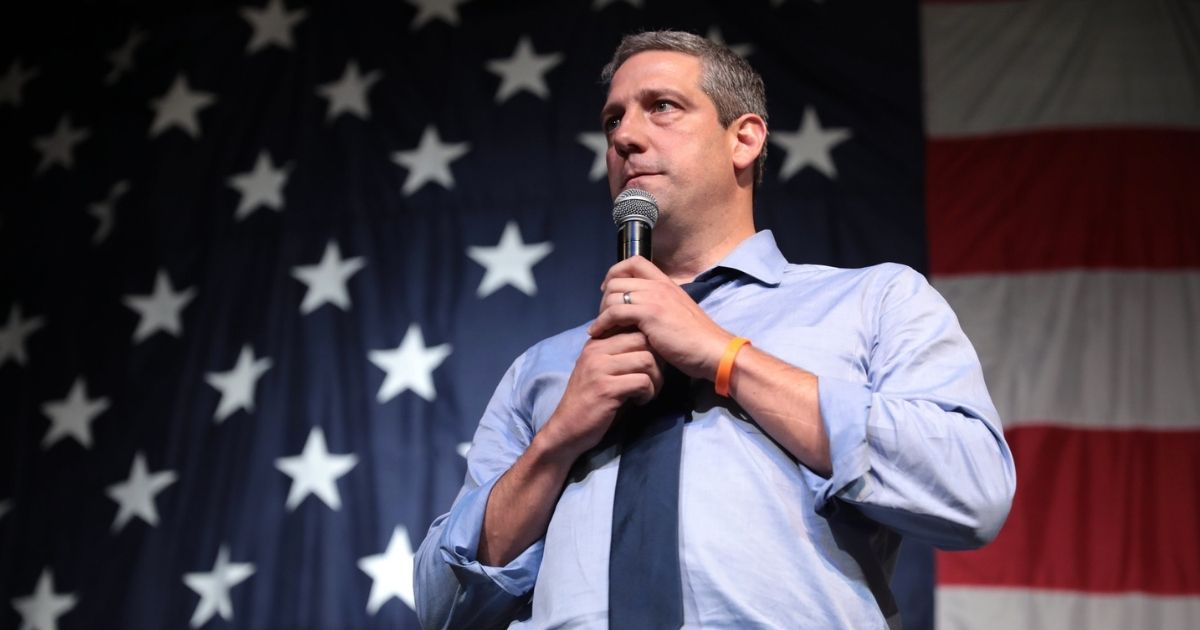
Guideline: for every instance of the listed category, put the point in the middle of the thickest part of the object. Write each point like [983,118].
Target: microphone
[635,212]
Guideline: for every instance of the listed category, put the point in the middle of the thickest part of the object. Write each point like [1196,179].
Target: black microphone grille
[634,203]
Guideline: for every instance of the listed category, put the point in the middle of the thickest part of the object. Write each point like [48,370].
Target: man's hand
[674,325]
[610,371]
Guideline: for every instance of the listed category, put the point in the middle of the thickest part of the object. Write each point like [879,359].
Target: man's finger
[623,284]
[635,267]
[636,362]
[621,298]
[641,387]
[615,317]
[620,342]
[617,288]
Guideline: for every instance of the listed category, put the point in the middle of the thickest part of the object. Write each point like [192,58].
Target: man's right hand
[610,371]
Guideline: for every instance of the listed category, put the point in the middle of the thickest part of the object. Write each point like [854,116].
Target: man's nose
[629,136]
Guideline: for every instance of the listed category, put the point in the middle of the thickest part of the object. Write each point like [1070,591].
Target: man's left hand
[677,329]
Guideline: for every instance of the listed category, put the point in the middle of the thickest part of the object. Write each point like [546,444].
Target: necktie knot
[700,289]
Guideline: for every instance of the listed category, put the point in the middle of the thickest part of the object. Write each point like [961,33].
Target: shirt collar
[758,257]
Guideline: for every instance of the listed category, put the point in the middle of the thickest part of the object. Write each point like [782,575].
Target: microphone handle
[633,239]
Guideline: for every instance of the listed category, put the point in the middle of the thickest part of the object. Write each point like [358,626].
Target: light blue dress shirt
[916,445]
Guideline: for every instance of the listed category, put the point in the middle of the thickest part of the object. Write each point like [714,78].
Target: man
[856,415]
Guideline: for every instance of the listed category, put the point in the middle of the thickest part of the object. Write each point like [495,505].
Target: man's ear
[750,132]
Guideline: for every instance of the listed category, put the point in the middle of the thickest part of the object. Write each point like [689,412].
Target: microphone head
[635,204]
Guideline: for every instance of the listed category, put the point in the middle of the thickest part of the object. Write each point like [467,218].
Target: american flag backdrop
[1064,228]
[262,263]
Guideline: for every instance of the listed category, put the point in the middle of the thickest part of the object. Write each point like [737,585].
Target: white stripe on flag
[1089,349]
[1008,608]
[1011,66]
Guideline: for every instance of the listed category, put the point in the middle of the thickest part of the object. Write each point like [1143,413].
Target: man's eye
[663,106]
[611,123]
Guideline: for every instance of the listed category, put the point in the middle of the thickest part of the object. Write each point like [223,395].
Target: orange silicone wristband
[725,368]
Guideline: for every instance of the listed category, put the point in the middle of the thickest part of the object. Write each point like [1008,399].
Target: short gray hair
[734,87]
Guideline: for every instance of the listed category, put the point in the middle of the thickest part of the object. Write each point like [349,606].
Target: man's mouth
[632,179]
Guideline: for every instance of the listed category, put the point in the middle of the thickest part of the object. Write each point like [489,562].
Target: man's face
[664,135]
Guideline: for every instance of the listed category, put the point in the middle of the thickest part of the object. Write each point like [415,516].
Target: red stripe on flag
[1095,511]
[1113,198]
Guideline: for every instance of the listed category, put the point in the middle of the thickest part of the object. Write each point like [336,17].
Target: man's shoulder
[875,289]
[882,273]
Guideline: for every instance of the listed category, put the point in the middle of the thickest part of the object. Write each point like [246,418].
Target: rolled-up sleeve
[919,446]
[452,588]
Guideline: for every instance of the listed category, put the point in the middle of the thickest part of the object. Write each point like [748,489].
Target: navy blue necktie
[644,586]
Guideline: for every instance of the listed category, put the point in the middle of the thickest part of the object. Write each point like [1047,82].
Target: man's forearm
[522,501]
[784,401]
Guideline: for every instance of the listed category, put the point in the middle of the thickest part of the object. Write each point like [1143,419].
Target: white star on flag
[105,211]
[430,161]
[41,609]
[463,448]
[409,366]
[122,58]
[73,416]
[135,495]
[179,108]
[13,83]
[809,146]
[262,186]
[427,10]
[349,93]
[272,24]
[391,572]
[12,336]
[59,146]
[213,587]
[741,50]
[326,280]
[161,309]
[510,262]
[523,71]
[598,143]
[315,471]
[237,384]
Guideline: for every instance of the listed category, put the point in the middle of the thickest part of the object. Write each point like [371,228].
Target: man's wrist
[546,451]
[712,356]
[724,372]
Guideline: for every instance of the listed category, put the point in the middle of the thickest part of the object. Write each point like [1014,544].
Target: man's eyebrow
[655,93]
[644,94]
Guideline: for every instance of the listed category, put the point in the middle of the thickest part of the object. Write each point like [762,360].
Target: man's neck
[685,260]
